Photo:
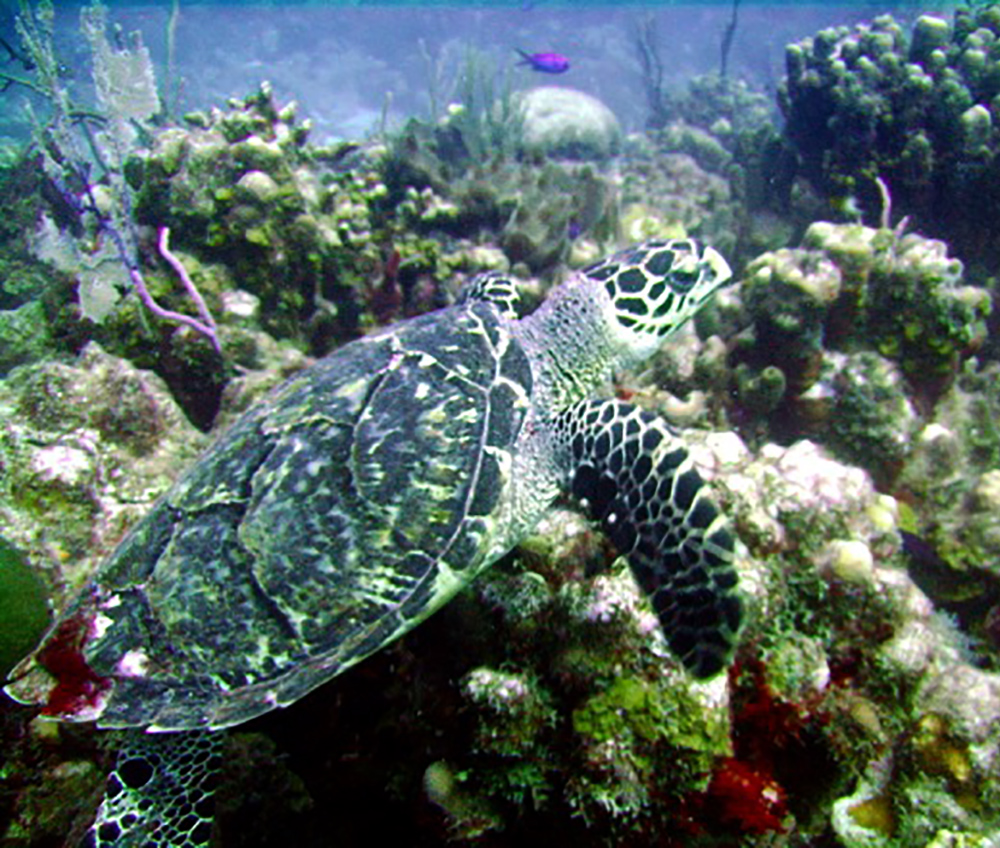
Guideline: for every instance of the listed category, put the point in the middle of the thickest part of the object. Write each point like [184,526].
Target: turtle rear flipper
[161,792]
[637,478]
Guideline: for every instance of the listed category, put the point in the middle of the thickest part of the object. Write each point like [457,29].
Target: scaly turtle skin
[370,488]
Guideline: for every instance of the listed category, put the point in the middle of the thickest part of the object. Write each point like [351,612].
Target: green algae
[647,712]
[24,601]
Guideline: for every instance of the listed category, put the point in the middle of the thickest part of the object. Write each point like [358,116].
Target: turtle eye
[657,286]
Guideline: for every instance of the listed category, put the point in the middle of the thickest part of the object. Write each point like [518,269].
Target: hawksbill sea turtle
[369,489]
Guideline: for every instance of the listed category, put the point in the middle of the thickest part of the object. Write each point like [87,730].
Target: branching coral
[205,324]
[76,143]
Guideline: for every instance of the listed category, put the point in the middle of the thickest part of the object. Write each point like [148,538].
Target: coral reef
[542,706]
[840,685]
[533,209]
[665,191]
[239,189]
[843,690]
[855,660]
[950,480]
[854,336]
[335,241]
[729,130]
[917,111]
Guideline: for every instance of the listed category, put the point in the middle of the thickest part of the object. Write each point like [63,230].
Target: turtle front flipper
[637,478]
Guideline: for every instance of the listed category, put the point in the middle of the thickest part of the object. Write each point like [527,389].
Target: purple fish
[546,63]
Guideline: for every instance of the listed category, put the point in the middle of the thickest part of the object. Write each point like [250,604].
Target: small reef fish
[546,63]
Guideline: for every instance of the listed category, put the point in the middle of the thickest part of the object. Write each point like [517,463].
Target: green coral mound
[855,335]
[25,607]
[916,110]
[907,293]
[852,287]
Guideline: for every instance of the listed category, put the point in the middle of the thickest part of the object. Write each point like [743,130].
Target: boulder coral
[86,446]
[564,122]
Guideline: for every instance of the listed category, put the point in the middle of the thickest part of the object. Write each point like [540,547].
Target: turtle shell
[324,523]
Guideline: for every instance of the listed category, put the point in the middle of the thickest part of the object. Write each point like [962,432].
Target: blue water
[347,63]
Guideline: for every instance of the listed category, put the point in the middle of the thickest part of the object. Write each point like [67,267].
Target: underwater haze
[346,63]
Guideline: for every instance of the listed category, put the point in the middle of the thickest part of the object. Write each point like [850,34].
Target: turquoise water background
[348,63]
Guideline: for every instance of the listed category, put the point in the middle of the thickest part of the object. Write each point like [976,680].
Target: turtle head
[656,286]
